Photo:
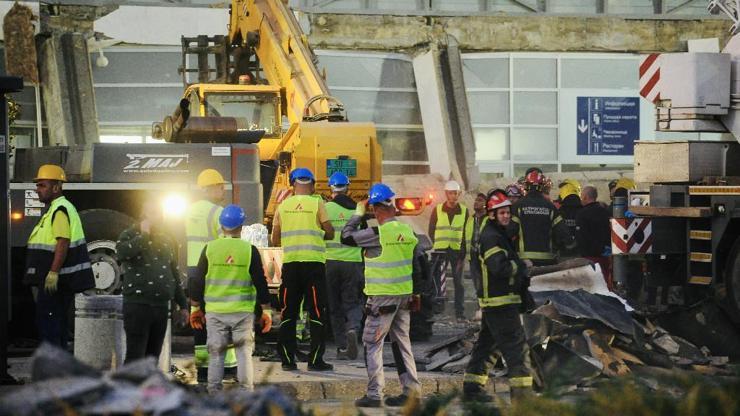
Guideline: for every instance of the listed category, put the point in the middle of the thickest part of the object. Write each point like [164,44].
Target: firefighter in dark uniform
[539,223]
[503,278]
[570,203]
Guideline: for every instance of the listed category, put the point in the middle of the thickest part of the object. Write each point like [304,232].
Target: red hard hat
[497,199]
[535,178]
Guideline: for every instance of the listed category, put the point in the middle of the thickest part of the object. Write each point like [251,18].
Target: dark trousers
[302,280]
[501,330]
[145,326]
[456,261]
[344,283]
[52,311]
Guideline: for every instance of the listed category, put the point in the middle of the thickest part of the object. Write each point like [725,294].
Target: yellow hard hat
[210,177]
[568,189]
[625,183]
[51,172]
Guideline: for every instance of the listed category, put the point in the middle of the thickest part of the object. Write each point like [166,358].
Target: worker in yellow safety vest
[300,226]
[451,229]
[344,267]
[230,278]
[201,226]
[57,262]
[392,284]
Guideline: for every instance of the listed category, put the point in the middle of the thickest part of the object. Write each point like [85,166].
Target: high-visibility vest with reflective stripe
[390,273]
[76,272]
[301,237]
[335,250]
[448,235]
[201,226]
[229,287]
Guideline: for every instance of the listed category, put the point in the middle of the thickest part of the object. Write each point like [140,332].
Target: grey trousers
[396,324]
[241,328]
[344,282]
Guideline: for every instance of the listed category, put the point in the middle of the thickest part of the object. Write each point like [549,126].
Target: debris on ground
[579,338]
[63,385]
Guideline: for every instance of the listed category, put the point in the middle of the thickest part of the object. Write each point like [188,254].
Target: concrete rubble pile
[578,338]
[63,385]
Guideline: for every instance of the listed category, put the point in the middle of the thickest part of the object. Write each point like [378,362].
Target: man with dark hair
[151,280]
[593,233]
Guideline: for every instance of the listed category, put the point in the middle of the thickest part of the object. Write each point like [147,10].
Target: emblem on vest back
[229,260]
[400,238]
[299,207]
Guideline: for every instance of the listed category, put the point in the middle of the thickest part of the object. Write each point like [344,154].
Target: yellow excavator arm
[283,51]
[265,72]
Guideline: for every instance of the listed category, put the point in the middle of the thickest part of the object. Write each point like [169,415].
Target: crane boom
[283,52]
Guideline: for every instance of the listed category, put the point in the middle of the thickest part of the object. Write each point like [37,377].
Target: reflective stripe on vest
[42,239]
[229,287]
[390,273]
[301,237]
[510,299]
[448,235]
[335,250]
[201,226]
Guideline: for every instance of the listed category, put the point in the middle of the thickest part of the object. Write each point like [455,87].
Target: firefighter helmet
[497,199]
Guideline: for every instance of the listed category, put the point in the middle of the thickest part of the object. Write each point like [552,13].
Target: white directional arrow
[583,126]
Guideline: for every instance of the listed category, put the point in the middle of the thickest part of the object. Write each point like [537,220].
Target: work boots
[473,392]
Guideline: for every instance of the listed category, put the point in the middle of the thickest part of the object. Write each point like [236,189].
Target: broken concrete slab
[457,366]
[52,396]
[52,362]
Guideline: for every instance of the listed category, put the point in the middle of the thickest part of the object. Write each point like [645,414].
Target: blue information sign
[607,125]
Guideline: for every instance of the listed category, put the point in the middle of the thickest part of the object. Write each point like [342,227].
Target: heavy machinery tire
[102,228]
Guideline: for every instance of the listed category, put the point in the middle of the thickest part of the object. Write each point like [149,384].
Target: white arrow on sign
[583,126]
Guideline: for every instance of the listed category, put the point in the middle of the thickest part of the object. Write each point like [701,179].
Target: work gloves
[51,282]
[266,321]
[197,317]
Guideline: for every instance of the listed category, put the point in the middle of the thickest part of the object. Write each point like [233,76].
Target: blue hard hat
[301,173]
[232,217]
[379,193]
[338,179]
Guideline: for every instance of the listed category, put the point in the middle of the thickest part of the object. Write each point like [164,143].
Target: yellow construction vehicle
[266,80]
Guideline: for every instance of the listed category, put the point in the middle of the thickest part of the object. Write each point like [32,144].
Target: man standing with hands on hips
[392,275]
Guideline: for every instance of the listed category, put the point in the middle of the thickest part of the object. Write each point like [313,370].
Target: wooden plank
[700,235]
[679,212]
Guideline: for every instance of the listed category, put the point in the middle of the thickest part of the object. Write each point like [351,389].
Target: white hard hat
[452,186]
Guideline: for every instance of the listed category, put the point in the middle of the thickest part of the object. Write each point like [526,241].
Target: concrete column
[434,113]
[69,98]
[462,136]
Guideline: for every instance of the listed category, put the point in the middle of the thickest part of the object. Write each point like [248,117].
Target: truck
[678,254]
[267,111]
